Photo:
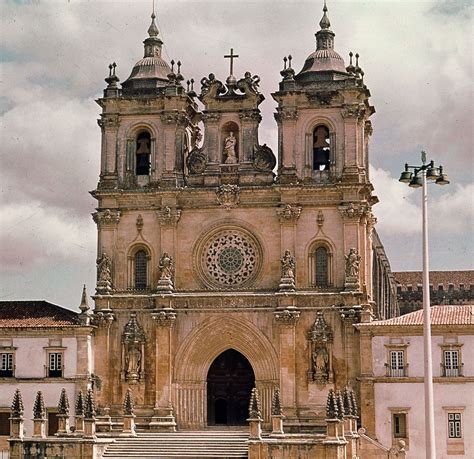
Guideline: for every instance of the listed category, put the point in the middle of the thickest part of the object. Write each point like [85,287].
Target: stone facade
[204,249]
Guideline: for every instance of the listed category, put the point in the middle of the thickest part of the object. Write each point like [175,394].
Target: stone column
[163,418]
[286,318]
[286,118]
[109,125]
[367,393]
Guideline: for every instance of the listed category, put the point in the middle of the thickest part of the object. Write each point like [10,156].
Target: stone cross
[231,56]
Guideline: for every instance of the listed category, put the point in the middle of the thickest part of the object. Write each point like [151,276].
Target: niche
[230,143]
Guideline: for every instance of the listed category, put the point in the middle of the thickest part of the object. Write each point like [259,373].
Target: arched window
[143,149]
[140,270]
[321,268]
[321,148]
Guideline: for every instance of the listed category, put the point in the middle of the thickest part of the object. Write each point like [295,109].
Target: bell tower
[147,124]
[323,117]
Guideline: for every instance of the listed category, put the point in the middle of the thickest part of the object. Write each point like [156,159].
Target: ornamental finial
[324,23]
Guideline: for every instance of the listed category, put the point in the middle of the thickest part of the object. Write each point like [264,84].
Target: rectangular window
[5,423]
[397,364]
[55,365]
[6,364]
[454,425]
[399,421]
[451,363]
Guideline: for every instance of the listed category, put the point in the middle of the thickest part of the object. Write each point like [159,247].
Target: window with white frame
[6,364]
[396,365]
[451,365]
[55,364]
[454,425]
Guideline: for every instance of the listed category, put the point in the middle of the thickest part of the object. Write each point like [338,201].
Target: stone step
[197,444]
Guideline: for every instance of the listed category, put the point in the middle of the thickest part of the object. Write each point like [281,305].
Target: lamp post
[416,179]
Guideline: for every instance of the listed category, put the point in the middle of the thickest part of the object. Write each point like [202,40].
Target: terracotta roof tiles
[440,315]
[35,314]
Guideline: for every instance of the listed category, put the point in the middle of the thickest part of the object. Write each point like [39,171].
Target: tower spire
[325,36]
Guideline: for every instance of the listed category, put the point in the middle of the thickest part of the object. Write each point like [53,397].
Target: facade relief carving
[109,122]
[103,319]
[196,161]
[139,223]
[321,339]
[288,266]
[164,317]
[104,275]
[353,260]
[168,216]
[286,114]
[287,316]
[133,350]
[263,158]
[353,111]
[106,217]
[353,211]
[289,213]
[228,196]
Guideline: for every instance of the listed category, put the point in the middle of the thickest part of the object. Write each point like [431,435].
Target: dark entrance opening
[229,383]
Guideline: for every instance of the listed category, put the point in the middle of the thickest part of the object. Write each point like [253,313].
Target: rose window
[229,259]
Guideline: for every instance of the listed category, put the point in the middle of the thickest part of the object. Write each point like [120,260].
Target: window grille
[321,267]
[6,364]
[396,367]
[451,363]
[141,270]
[55,366]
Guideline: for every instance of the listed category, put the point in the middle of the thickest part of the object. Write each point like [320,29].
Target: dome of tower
[152,70]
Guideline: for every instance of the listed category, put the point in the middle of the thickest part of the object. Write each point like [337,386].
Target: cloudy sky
[416,56]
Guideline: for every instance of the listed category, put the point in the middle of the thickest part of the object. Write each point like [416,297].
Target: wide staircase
[203,444]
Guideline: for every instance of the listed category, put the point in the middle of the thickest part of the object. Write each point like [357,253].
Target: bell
[405,177]
[416,182]
[432,172]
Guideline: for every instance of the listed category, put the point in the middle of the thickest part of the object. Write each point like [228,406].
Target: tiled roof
[35,314]
[436,278]
[440,315]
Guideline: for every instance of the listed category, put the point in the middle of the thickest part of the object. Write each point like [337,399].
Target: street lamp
[416,179]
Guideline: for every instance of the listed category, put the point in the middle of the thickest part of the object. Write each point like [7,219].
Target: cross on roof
[231,56]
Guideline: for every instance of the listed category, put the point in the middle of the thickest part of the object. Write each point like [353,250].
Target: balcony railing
[452,372]
[399,372]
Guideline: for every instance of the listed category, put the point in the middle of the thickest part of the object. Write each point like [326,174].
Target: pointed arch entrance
[229,382]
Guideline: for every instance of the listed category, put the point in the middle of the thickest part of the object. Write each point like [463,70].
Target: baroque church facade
[223,266]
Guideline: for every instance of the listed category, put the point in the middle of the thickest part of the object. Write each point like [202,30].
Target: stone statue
[104,265]
[320,359]
[352,263]
[133,361]
[166,266]
[229,148]
[288,265]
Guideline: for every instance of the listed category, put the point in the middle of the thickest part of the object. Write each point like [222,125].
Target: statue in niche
[104,265]
[320,359]
[133,361]
[321,338]
[229,149]
[133,350]
[352,264]
[166,266]
[288,264]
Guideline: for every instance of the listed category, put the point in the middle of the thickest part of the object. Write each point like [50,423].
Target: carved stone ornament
[211,87]
[103,319]
[196,161]
[321,338]
[263,158]
[168,216]
[287,316]
[166,267]
[353,111]
[139,223]
[353,211]
[249,84]
[228,196]
[250,115]
[109,122]
[353,260]
[104,275]
[289,213]
[133,350]
[164,317]
[106,217]
[178,118]
[320,219]
[286,114]
[288,266]
[368,127]
[322,98]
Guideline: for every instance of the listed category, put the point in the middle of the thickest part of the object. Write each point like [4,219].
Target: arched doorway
[229,382]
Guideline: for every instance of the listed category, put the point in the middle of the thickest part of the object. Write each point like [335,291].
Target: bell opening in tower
[143,153]
[321,148]
[230,380]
